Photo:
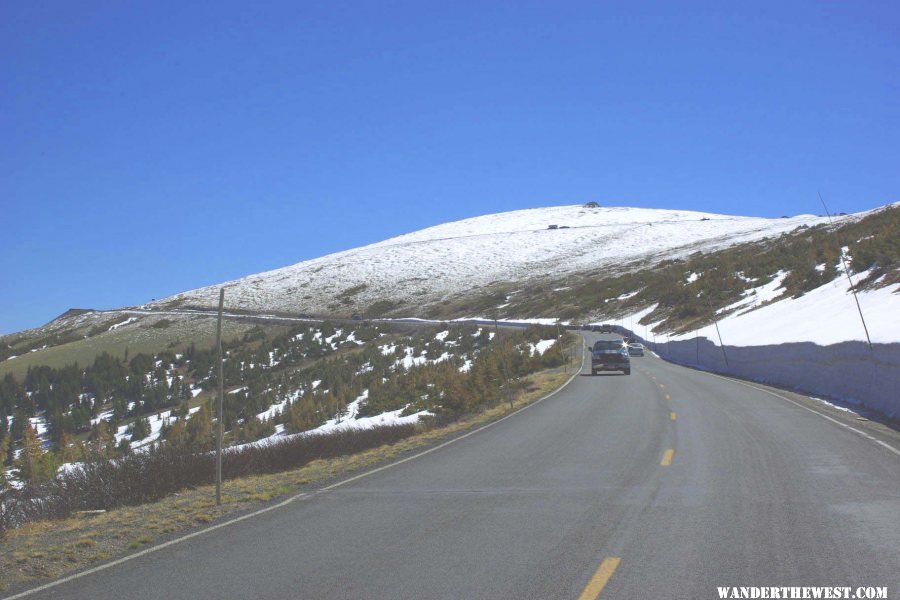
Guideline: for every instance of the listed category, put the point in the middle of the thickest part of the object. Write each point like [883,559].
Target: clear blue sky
[153,147]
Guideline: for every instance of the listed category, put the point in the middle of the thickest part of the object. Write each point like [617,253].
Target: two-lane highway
[663,484]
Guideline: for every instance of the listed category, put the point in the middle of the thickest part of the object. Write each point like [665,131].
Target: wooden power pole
[219,401]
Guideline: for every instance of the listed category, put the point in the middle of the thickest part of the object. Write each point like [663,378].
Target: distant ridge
[74,312]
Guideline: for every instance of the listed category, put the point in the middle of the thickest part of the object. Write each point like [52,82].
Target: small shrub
[149,476]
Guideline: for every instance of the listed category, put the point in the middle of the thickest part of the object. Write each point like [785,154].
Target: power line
[847,272]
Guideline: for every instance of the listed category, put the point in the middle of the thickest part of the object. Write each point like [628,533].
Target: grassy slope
[136,337]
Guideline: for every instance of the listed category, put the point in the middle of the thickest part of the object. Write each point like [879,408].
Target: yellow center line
[672,415]
[600,578]
[667,457]
[661,386]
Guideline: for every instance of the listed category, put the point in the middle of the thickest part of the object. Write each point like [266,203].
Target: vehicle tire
[627,371]
[593,372]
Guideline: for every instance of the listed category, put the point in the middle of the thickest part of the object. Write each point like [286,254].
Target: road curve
[663,484]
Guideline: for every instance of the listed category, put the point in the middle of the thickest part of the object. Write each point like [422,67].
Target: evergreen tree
[5,443]
[140,429]
[177,435]
[101,440]
[70,450]
[199,429]
[16,431]
[34,464]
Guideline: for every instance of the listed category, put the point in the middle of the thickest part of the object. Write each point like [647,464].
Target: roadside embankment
[849,372]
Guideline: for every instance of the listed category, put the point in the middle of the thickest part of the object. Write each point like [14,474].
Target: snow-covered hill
[442,262]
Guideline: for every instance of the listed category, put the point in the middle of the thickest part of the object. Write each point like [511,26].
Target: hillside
[672,269]
[402,275]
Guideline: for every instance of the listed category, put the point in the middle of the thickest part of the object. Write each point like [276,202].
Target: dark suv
[610,355]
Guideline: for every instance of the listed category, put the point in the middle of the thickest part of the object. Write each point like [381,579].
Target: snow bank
[847,371]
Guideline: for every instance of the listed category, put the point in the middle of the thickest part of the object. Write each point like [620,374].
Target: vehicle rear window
[607,345]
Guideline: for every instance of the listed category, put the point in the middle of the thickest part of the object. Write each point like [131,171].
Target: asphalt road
[597,489]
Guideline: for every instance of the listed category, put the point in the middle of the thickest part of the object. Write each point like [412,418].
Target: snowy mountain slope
[825,315]
[440,262]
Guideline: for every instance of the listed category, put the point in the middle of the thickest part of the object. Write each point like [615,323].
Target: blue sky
[154,147]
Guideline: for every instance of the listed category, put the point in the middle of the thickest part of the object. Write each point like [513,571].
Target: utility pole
[716,323]
[558,343]
[847,273]
[721,343]
[219,401]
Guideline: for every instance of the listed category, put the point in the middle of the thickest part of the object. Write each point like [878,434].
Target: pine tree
[70,450]
[199,429]
[101,440]
[4,431]
[16,430]
[140,429]
[177,434]
[5,442]
[29,459]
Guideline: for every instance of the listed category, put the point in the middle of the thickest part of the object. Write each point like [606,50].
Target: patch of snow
[541,347]
[11,479]
[40,425]
[123,323]
[833,405]
[156,423]
[442,358]
[758,296]
[330,339]
[350,421]
[273,410]
[410,361]
[826,315]
[352,338]
[104,416]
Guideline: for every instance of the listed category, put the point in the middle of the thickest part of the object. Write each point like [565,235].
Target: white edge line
[287,501]
[815,412]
